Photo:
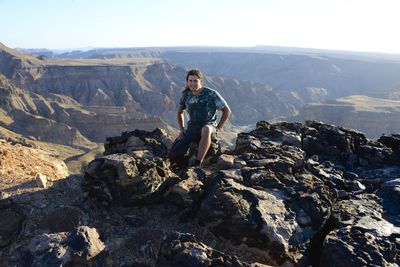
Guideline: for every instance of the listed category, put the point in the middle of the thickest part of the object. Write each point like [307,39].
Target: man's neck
[198,91]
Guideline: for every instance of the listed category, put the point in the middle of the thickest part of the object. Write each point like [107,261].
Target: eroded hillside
[20,165]
[76,102]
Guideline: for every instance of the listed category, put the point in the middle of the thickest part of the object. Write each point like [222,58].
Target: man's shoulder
[210,92]
[208,89]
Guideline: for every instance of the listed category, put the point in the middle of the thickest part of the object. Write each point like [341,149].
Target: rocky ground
[20,165]
[287,194]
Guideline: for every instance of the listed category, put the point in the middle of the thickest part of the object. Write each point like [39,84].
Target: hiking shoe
[198,164]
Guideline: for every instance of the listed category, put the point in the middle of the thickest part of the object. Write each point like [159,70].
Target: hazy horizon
[256,48]
[342,25]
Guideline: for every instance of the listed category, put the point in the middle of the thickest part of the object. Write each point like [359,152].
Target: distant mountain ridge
[103,98]
[285,69]
[120,89]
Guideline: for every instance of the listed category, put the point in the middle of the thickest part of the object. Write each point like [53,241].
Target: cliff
[374,116]
[88,100]
[33,115]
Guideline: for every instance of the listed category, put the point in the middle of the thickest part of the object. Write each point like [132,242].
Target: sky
[353,25]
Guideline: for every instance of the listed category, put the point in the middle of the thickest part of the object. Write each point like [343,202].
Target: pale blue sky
[358,25]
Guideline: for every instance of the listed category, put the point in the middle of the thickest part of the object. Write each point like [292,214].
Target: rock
[140,143]
[291,139]
[373,154]
[124,179]
[26,162]
[80,246]
[63,219]
[391,183]
[187,191]
[355,246]
[85,244]
[11,221]
[38,201]
[341,194]
[390,194]
[392,141]
[226,161]
[332,142]
[41,180]
[350,175]
[48,250]
[3,195]
[182,249]
[356,186]
[362,236]
[246,142]
[245,215]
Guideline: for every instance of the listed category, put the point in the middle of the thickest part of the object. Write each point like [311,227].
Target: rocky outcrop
[140,143]
[285,190]
[288,194]
[125,179]
[360,238]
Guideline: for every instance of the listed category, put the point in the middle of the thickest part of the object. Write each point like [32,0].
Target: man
[201,103]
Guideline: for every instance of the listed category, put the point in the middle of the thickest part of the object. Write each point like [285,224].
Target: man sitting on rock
[201,103]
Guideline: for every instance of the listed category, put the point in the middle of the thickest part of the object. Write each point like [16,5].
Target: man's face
[194,83]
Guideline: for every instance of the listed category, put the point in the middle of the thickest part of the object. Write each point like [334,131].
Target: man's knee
[207,130]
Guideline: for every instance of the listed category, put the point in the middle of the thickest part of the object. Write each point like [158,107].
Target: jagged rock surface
[289,194]
[181,249]
[79,246]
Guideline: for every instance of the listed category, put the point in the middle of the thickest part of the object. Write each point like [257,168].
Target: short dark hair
[194,72]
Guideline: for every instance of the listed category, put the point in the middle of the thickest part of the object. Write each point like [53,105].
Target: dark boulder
[141,143]
[123,179]
[80,246]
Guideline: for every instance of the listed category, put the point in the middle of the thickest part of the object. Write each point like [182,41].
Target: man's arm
[226,112]
[181,120]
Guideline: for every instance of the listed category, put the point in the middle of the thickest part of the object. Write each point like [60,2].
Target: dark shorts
[181,146]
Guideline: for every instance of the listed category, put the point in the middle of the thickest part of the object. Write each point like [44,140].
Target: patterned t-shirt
[202,108]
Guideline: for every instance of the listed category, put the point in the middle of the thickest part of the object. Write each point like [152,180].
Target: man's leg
[181,146]
[205,142]
[178,150]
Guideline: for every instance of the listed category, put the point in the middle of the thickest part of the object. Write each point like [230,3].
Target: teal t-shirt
[202,108]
